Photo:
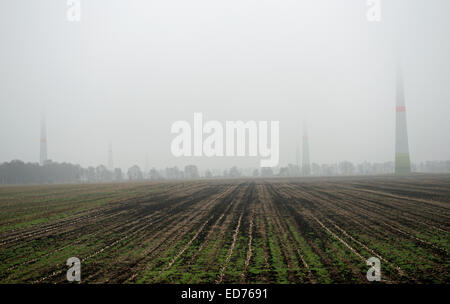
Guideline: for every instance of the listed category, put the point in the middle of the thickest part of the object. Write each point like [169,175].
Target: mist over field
[130,69]
[252,143]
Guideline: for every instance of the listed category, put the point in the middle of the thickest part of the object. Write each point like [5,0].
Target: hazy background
[131,68]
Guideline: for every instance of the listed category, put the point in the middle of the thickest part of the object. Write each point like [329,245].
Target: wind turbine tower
[306,166]
[110,158]
[402,160]
[43,143]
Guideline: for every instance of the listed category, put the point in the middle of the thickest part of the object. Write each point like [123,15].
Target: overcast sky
[131,68]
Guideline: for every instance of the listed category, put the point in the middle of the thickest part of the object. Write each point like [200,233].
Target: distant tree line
[19,172]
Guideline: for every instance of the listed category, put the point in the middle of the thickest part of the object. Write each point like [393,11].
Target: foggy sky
[131,68]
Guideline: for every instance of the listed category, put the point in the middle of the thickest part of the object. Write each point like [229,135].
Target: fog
[130,69]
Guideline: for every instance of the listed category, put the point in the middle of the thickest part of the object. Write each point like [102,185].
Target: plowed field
[316,230]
